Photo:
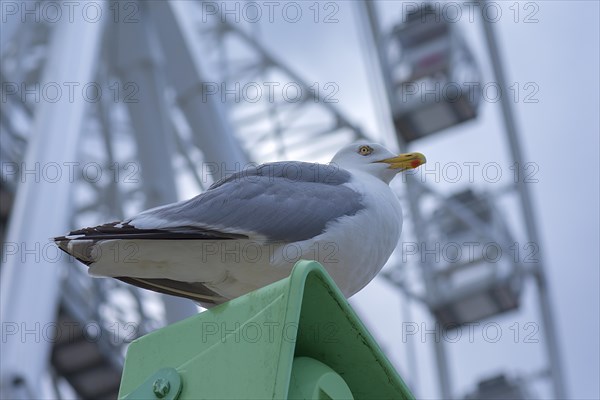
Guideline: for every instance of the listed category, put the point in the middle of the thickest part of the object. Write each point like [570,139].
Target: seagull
[250,228]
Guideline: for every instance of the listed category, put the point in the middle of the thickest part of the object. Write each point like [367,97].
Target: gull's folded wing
[278,202]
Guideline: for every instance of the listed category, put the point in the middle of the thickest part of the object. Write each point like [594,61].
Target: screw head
[161,387]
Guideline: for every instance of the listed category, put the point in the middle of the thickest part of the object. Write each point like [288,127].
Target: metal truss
[277,113]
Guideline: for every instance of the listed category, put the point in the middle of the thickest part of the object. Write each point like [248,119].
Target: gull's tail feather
[86,245]
[82,250]
[195,291]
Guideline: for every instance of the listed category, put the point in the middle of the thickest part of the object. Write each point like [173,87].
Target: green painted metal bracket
[165,384]
[254,347]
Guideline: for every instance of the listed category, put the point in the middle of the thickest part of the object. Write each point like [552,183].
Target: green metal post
[297,338]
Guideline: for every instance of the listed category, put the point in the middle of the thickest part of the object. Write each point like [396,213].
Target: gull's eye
[365,150]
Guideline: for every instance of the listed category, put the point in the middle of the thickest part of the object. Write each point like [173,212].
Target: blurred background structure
[112,107]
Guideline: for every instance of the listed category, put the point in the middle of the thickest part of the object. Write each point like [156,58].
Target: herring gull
[248,229]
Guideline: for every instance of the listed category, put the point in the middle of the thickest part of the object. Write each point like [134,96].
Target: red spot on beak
[415,163]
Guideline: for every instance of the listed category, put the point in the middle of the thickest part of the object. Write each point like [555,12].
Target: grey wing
[281,202]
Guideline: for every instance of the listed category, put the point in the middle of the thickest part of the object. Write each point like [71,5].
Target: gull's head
[376,160]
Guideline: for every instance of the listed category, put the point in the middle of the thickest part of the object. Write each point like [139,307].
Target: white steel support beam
[138,69]
[528,214]
[205,114]
[138,65]
[30,284]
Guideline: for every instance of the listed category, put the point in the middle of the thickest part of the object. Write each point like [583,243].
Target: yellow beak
[405,161]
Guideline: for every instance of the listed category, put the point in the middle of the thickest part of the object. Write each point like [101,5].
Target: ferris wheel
[117,106]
